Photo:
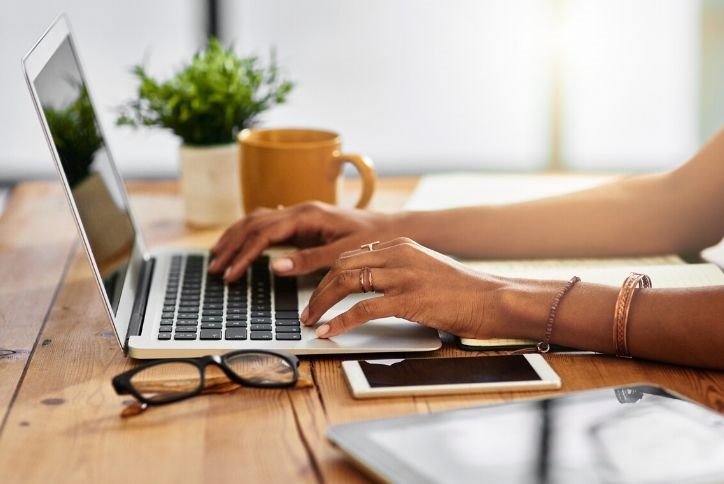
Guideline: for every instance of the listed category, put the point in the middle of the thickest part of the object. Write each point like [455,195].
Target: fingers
[236,236]
[246,239]
[363,311]
[378,246]
[308,260]
[229,233]
[254,245]
[350,282]
[389,256]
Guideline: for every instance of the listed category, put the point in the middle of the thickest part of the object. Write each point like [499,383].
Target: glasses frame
[123,386]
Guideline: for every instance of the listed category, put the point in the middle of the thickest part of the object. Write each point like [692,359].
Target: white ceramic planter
[210,184]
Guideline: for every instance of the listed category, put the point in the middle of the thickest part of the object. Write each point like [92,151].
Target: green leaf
[209,100]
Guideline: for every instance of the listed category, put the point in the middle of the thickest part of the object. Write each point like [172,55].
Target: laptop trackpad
[388,329]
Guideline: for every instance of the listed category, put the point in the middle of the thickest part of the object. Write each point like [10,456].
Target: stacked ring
[366,284]
[362,280]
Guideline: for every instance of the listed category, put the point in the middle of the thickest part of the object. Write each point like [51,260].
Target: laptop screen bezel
[33,63]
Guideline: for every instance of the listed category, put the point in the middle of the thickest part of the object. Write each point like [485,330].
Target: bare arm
[681,211]
[683,326]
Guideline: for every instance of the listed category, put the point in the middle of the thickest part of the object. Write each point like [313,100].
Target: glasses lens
[166,381]
[261,368]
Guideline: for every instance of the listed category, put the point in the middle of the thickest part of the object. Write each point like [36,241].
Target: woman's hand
[418,284]
[323,231]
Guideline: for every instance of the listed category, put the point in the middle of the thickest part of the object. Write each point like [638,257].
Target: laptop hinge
[135,325]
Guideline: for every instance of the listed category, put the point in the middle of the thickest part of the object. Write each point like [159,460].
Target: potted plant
[206,103]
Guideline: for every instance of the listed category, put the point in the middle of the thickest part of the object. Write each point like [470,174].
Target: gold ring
[369,276]
[280,207]
[362,280]
[370,246]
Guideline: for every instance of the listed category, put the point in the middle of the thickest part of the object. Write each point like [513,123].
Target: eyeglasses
[167,381]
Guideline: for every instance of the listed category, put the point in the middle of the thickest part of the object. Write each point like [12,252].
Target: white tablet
[437,376]
[636,434]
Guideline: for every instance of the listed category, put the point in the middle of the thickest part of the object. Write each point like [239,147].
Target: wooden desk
[60,416]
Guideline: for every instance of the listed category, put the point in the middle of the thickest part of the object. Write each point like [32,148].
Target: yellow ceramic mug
[288,166]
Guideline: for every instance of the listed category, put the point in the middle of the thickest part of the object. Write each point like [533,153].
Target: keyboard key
[210,334]
[235,333]
[260,314]
[211,319]
[166,321]
[167,315]
[285,293]
[165,329]
[286,315]
[186,329]
[211,325]
[186,336]
[288,336]
[261,320]
[287,329]
[261,327]
[236,324]
[261,335]
[287,322]
[236,317]
[237,310]
[213,312]
[164,336]
[188,315]
[187,321]
[169,308]
[213,306]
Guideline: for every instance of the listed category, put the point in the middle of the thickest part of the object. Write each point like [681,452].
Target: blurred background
[418,85]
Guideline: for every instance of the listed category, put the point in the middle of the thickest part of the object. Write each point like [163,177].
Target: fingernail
[305,314]
[212,266]
[227,272]
[322,330]
[284,264]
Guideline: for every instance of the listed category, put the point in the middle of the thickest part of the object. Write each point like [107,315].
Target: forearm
[681,211]
[683,326]
[640,215]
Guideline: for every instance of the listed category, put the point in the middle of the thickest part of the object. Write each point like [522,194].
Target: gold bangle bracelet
[622,308]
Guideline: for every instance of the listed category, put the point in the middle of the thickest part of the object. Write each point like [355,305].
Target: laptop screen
[95,186]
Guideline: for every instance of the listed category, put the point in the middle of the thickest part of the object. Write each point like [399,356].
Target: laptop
[163,303]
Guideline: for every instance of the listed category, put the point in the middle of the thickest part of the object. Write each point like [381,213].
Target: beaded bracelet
[545,345]
[623,305]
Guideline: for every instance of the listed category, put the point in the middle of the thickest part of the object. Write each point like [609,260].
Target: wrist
[524,307]
[412,225]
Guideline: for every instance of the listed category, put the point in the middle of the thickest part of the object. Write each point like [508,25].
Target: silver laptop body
[132,282]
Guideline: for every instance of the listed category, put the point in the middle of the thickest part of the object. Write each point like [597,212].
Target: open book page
[670,275]
[436,192]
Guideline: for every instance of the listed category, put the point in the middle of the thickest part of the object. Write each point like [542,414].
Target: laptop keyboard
[199,306]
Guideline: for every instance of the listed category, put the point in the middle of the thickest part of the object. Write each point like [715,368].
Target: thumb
[309,260]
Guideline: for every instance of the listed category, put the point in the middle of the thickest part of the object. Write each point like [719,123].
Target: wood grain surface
[60,415]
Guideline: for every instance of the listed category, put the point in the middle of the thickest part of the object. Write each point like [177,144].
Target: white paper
[435,192]
[663,276]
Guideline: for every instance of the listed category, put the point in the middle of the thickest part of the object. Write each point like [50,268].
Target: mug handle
[366,169]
